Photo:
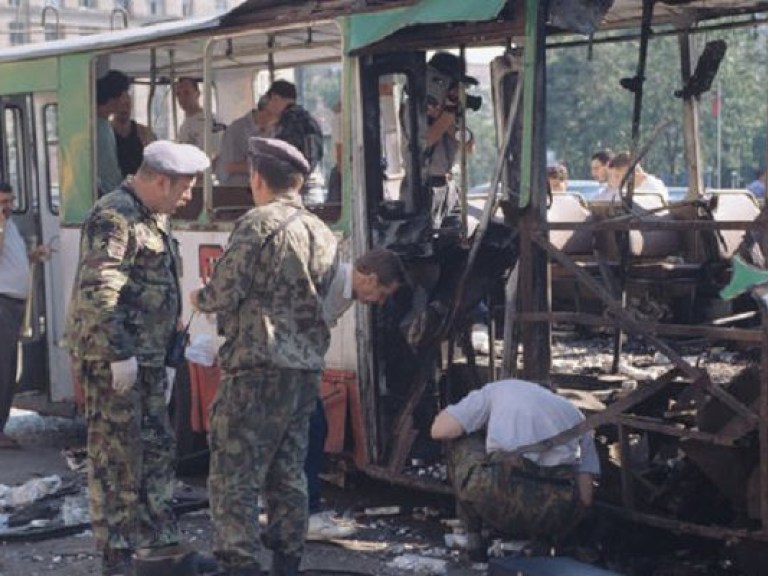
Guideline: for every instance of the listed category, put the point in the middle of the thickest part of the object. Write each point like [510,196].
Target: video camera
[439,85]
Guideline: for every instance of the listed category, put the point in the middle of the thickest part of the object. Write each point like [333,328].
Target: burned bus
[363,70]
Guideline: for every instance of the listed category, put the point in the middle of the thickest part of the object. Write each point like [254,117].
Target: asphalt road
[380,540]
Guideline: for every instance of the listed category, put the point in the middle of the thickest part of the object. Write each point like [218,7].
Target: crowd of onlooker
[610,171]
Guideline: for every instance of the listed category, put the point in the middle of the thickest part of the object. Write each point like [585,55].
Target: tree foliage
[588,110]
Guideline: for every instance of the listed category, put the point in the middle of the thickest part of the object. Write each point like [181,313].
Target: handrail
[55,11]
[122,12]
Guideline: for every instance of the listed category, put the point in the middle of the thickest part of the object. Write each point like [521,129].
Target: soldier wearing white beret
[173,159]
[124,311]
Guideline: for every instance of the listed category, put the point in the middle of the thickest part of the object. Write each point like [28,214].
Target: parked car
[587,188]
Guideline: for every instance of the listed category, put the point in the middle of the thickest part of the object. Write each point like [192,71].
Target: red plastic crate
[203,383]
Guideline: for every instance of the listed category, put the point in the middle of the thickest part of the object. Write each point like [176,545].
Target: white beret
[175,159]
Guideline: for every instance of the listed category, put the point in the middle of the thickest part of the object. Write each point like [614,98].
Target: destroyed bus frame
[392,367]
[725,441]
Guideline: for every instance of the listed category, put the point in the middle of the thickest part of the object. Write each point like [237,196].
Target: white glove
[124,374]
[170,374]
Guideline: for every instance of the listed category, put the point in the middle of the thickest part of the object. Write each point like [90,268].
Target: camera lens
[474,102]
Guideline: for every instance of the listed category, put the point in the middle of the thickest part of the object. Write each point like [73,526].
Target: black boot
[174,560]
[284,565]
[117,562]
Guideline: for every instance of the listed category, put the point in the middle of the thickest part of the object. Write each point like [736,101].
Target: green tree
[587,109]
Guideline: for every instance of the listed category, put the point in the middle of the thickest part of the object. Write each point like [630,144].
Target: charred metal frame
[535,311]
[625,319]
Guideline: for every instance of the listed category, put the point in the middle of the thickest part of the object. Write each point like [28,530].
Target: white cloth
[193,127]
[14,263]
[340,296]
[203,349]
[653,184]
[124,374]
[518,413]
[234,148]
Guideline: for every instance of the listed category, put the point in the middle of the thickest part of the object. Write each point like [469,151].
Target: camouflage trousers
[131,457]
[512,496]
[258,439]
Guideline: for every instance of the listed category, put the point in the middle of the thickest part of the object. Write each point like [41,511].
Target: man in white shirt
[520,493]
[373,278]
[14,290]
[644,182]
[192,128]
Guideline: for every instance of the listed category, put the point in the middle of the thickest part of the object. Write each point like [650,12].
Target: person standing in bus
[124,311]
[110,88]
[192,128]
[267,290]
[293,123]
[130,136]
[14,290]
[232,162]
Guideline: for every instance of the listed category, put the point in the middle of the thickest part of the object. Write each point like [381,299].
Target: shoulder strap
[282,226]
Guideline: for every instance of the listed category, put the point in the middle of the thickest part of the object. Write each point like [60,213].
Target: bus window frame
[52,180]
[19,184]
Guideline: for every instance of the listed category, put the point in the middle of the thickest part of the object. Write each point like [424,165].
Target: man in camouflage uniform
[268,289]
[125,307]
[517,492]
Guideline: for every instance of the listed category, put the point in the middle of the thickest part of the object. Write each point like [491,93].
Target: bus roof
[112,39]
[367,29]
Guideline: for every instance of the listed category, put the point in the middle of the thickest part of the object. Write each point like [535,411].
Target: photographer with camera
[445,72]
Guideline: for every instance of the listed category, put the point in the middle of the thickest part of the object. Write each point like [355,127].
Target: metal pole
[719,137]
[636,86]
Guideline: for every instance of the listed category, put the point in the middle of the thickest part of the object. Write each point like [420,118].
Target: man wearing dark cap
[268,290]
[109,90]
[294,124]
[125,307]
[445,71]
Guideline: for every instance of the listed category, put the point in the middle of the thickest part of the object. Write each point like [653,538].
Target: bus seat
[653,243]
[570,208]
[732,206]
[578,243]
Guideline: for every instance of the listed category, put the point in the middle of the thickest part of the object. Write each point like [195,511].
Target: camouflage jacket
[126,299]
[268,289]
[297,126]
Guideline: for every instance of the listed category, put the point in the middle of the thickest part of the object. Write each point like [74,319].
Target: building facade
[28,21]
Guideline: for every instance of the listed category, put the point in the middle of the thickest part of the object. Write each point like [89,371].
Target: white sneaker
[326,526]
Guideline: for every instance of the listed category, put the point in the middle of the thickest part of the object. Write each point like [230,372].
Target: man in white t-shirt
[14,290]
[193,127]
[501,481]
[644,182]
